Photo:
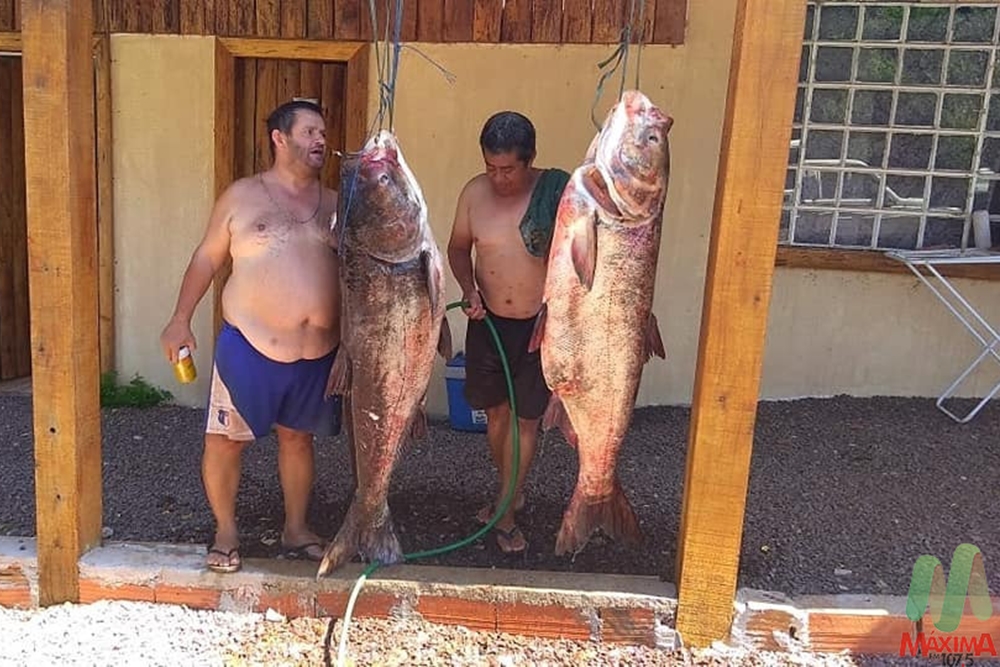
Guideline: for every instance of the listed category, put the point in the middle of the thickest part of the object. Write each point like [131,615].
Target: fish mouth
[382,148]
[386,154]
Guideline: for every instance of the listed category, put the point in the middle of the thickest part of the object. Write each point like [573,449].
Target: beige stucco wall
[829,332]
[163,91]
[870,334]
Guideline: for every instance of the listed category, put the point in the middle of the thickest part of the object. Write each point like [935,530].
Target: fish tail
[613,514]
[373,539]
[379,541]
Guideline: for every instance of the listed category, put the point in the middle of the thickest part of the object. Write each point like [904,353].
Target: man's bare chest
[269,230]
[495,226]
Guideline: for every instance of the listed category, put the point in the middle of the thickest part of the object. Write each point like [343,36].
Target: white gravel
[119,633]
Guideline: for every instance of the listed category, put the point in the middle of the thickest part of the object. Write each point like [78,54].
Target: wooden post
[105,202]
[58,80]
[767,42]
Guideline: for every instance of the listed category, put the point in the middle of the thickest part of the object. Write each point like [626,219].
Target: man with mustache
[281,329]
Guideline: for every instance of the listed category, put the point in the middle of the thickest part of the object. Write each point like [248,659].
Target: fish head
[633,152]
[383,212]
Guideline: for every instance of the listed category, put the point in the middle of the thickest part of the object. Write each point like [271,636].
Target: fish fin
[584,250]
[539,331]
[444,339]
[339,381]
[613,515]
[434,278]
[654,342]
[555,415]
[374,539]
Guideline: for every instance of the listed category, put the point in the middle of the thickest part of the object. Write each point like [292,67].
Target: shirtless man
[506,215]
[281,330]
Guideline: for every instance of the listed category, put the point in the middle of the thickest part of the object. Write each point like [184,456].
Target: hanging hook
[620,58]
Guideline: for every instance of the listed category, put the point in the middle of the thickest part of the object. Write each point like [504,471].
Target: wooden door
[262,84]
[15,327]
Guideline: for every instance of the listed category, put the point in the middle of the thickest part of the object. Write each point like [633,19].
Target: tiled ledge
[613,608]
[855,623]
[637,610]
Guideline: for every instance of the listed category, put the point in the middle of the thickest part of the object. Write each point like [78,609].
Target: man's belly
[283,322]
[511,287]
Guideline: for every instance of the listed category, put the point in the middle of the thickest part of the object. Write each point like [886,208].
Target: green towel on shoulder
[540,218]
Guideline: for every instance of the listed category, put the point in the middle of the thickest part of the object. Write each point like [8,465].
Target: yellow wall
[163,91]
[870,334]
[829,332]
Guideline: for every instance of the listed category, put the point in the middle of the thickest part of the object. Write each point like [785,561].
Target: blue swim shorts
[250,393]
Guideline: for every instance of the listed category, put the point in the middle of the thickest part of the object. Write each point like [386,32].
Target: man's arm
[460,256]
[207,259]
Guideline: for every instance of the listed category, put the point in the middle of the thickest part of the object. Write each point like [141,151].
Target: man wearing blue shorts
[281,306]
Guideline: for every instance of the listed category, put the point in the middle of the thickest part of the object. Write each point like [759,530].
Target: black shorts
[485,382]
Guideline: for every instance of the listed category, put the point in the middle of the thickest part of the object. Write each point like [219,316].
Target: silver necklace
[284,210]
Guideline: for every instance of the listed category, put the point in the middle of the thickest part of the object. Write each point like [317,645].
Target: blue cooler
[462,416]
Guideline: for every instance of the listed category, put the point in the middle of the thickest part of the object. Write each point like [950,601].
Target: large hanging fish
[596,329]
[392,280]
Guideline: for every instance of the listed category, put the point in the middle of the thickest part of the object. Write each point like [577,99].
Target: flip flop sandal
[509,536]
[301,552]
[493,510]
[225,569]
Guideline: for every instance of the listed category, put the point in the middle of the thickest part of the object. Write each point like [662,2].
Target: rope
[620,57]
[387,61]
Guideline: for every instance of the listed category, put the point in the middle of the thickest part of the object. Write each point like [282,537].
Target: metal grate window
[896,137]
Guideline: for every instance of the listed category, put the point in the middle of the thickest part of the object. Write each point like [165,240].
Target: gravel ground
[844,493]
[107,633]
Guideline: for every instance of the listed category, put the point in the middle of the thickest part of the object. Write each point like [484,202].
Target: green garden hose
[504,504]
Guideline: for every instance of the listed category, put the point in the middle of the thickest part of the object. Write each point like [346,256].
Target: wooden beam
[225,154]
[19,244]
[10,221]
[105,203]
[754,153]
[356,101]
[10,42]
[290,49]
[62,264]
[870,261]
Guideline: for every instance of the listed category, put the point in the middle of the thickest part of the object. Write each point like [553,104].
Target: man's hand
[475,311]
[176,335]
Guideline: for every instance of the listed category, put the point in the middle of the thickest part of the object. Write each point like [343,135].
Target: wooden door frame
[352,54]
[10,43]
